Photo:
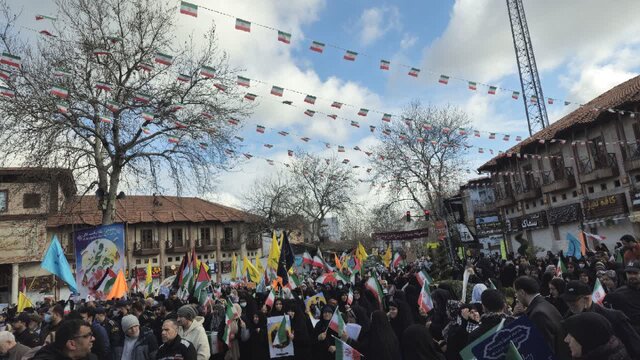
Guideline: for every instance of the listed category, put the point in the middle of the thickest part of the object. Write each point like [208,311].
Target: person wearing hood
[191,329]
[399,317]
[382,343]
[418,344]
[323,342]
[590,337]
[301,338]
[74,340]
[258,337]
[139,342]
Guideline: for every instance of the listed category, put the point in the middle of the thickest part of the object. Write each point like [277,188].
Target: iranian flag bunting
[473,86]
[243,81]
[59,72]
[113,106]
[346,352]
[59,91]
[220,87]
[317,47]
[208,72]
[414,72]
[425,302]
[350,55]
[11,60]
[146,130]
[228,318]
[42,17]
[103,86]
[250,96]
[374,287]
[386,117]
[534,99]
[63,107]
[444,79]
[277,91]
[142,98]
[260,129]
[363,112]
[310,99]
[333,116]
[188,9]
[164,59]
[184,78]
[515,95]
[243,25]
[5,91]
[233,121]
[598,292]
[337,105]
[492,90]
[4,74]
[106,119]
[384,65]
[284,37]
[355,124]
[147,116]
[337,322]
[309,113]
[173,140]
[550,101]
[145,67]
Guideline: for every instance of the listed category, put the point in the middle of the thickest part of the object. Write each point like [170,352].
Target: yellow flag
[234,266]
[274,254]
[23,302]
[503,250]
[259,266]
[250,270]
[361,253]
[387,256]
[119,288]
[148,280]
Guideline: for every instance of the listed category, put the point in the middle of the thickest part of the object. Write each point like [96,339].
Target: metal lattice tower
[531,88]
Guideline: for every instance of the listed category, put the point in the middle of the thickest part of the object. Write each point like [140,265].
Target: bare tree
[272,200]
[420,159]
[102,98]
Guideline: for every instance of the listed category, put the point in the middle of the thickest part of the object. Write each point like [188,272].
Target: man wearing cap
[115,336]
[22,333]
[577,295]
[192,329]
[627,298]
[139,343]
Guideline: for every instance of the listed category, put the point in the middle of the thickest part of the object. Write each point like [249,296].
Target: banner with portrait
[278,349]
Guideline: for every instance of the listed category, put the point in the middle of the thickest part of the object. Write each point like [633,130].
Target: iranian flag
[184,78]
[208,72]
[141,97]
[305,139]
[113,106]
[284,37]
[337,105]
[550,101]
[333,116]
[282,335]
[147,116]
[327,278]
[173,140]
[59,72]
[250,96]
[243,81]
[492,136]
[101,52]
[310,99]
[384,65]
[5,91]
[425,302]
[260,129]
[11,60]
[397,260]
[518,138]
[341,148]
[355,124]
[350,297]
[317,47]
[42,17]
[567,103]
[317,262]
[180,125]
[4,74]
[188,9]
[270,299]
[164,59]
[363,112]
[598,292]
[146,130]
[233,121]
[350,55]
[114,39]
[492,90]
[309,112]
[294,282]
[462,131]
[63,107]
[423,278]
[220,87]
[228,318]
[145,67]
[515,95]
[106,119]
[444,79]
[203,145]
[243,25]
[307,259]
[473,86]
[104,287]
[337,323]
[414,72]
[386,117]
[345,352]
[534,99]
[277,91]
[374,287]
[59,91]
[100,85]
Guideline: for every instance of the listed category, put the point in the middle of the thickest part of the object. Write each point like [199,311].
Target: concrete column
[15,279]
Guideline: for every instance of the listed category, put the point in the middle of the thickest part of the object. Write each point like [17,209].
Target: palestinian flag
[414,72]
[59,91]
[397,260]
[425,302]
[384,65]
[598,292]
[59,72]
[492,90]
[104,286]
[243,81]
[103,86]
[355,124]
[106,119]
[113,106]
[309,113]
[423,278]
[188,9]
[444,79]
[184,78]
[284,37]
[386,117]
[350,55]
[374,287]
[164,59]
[339,275]
[11,60]
[101,52]
[282,335]
[337,105]
[473,86]
[346,352]
[515,95]
[147,116]
[202,283]
[5,91]
[250,96]
[208,72]
[42,17]
[333,116]
[307,259]
[363,112]
[310,99]
[220,87]
[145,67]
[317,47]
[243,25]
[277,91]
[228,318]
[560,268]
[63,107]
[337,323]
[173,140]
[142,98]
[550,101]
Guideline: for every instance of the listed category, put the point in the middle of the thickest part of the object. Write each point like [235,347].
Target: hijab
[418,344]
[383,343]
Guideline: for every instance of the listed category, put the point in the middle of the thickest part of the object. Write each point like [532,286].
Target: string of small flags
[244,25]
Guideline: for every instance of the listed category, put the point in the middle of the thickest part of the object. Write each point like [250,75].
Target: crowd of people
[558,303]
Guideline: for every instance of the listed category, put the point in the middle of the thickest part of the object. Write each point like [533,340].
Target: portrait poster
[277,350]
[97,250]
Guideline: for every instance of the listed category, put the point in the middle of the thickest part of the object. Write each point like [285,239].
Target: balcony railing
[254,244]
[524,191]
[598,168]
[229,246]
[170,246]
[205,245]
[563,180]
[144,250]
[631,156]
[504,197]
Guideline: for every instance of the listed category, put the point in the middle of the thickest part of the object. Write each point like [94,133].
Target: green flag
[512,352]
[466,353]
[282,335]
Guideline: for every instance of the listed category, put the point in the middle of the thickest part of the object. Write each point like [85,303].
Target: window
[526,206]
[176,236]
[3,200]
[554,199]
[146,238]
[31,201]
[228,235]
[155,260]
[224,255]
[616,183]
[603,186]
[205,235]
[138,262]
[590,189]
[564,196]
[206,256]
[575,193]
[169,259]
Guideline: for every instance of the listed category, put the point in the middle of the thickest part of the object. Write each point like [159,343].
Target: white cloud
[408,41]
[376,22]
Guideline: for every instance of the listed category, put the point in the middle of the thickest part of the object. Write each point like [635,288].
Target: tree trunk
[109,200]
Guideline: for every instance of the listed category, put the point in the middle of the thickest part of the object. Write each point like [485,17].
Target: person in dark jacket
[74,340]
[493,304]
[418,344]
[544,316]
[173,346]
[627,298]
[590,337]
[556,289]
[139,343]
[22,333]
[101,347]
[578,298]
[9,348]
